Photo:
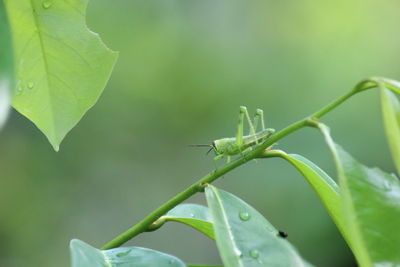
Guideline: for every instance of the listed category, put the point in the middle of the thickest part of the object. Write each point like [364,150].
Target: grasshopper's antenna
[204,145]
[201,145]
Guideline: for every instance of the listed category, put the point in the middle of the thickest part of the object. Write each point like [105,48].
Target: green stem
[144,224]
[333,105]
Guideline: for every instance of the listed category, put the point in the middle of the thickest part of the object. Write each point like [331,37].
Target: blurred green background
[184,69]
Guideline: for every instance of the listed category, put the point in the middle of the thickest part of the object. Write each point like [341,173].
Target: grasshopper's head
[223,146]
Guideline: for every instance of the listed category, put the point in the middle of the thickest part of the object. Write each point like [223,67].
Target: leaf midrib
[225,218]
[45,63]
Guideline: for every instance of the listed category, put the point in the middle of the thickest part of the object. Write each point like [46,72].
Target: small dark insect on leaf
[282,234]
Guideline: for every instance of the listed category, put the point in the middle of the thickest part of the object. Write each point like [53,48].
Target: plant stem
[144,224]
[333,105]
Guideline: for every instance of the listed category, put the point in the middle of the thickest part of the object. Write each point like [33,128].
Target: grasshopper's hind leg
[251,126]
[244,112]
[239,133]
[259,116]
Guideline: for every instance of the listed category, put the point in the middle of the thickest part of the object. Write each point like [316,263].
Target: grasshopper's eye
[214,145]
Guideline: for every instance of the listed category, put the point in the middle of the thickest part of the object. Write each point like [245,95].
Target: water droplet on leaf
[254,254]
[31,85]
[47,4]
[19,90]
[238,252]
[244,216]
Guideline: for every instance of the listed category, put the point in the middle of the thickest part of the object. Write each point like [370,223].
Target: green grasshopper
[230,146]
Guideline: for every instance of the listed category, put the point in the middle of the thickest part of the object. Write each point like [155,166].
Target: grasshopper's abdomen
[261,136]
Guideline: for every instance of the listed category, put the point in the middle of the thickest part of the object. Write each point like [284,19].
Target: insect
[230,146]
[282,234]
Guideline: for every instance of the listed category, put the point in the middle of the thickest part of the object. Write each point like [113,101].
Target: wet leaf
[62,66]
[326,188]
[84,255]
[244,237]
[193,215]
[371,209]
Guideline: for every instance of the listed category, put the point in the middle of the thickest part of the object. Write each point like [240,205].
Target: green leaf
[326,188]
[244,237]
[391,84]
[193,215]
[391,117]
[62,66]
[371,208]
[84,255]
[190,265]
[6,65]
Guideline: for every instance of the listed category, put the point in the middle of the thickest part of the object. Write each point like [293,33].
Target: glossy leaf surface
[84,255]
[62,66]
[6,65]
[326,188]
[244,237]
[371,209]
[193,215]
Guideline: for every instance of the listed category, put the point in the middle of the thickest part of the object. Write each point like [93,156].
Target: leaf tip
[53,142]
[56,148]
[74,243]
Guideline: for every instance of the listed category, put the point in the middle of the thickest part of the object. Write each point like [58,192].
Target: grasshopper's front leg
[239,132]
[215,160]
